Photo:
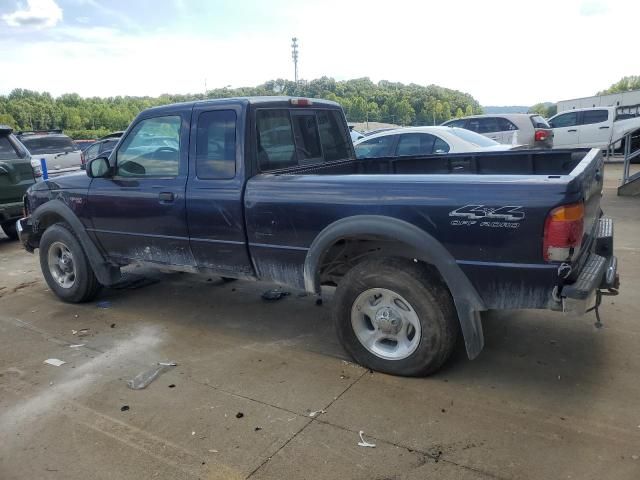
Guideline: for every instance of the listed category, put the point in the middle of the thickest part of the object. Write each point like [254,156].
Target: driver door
[139,214]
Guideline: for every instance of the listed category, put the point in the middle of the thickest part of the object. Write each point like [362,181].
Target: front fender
[106,273]
[424,247]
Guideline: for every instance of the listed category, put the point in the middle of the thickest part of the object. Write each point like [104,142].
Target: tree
[459,113]
[623,85]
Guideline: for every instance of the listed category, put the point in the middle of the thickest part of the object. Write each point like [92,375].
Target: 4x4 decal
[507,216]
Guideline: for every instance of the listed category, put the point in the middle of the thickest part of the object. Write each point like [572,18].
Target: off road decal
[508,216]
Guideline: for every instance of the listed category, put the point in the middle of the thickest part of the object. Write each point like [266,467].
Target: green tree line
[625,84]
[361,99]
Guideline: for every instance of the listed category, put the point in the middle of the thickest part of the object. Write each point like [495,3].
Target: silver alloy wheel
[61,266]
[385,324]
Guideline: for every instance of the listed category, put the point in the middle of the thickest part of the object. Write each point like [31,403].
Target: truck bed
[551,163]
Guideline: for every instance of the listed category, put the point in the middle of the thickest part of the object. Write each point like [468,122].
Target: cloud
[37,13]
[591,8]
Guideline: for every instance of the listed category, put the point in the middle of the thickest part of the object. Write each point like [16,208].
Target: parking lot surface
[263,390]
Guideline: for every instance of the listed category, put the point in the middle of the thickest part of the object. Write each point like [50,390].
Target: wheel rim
[61,265]
[386,324]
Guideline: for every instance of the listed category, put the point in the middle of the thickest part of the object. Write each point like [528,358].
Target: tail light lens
[542,135]
[563,231]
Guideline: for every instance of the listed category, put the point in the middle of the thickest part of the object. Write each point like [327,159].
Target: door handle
[572,130]
[166,197]
[602,128]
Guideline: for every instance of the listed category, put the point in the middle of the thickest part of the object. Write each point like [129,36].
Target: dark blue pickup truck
[269,188]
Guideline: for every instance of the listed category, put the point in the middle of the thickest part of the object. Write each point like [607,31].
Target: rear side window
[594,116]
[216,145]
[306,135]
[375,147]
[455,123]
[483,125]
[539,122]
[565,120]
[335,143]
[7,150]
[506,125]
[275,140]
[48,144]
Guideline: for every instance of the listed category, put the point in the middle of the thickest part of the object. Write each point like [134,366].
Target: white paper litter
[54,361]
[364,443]
[77,346]
[316,413]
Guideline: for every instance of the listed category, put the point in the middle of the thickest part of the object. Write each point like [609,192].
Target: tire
[71,277]
[9,229]
[419,303]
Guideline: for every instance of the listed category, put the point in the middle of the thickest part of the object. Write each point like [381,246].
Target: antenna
[294,55]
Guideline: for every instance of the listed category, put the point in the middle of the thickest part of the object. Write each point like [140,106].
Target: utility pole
[294,55]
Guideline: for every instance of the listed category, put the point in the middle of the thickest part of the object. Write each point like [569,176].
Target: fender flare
[467,301]
[106,273]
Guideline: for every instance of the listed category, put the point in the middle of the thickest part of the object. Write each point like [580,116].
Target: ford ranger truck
[269,188]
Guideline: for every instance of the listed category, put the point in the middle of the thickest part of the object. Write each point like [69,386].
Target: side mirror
[99,168]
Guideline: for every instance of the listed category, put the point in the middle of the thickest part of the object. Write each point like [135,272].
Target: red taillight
[563,231]
[542,135]
[301,102]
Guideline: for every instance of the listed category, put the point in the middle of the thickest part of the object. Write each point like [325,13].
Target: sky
[503,52]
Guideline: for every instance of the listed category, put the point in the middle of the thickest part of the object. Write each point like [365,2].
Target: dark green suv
[16,175]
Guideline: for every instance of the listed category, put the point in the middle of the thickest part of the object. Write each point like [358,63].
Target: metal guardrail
[631,150]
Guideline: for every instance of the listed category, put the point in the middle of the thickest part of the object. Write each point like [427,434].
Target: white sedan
[425,141]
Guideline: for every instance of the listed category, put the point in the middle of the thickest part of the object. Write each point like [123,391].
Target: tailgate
[589,177]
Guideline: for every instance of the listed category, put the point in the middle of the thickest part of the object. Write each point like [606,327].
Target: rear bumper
[9,211]
[25,233]
[599,272]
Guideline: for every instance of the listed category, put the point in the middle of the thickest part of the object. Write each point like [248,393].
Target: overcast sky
[501,52]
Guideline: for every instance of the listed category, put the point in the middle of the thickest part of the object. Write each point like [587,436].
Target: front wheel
[395,316]
[65,266]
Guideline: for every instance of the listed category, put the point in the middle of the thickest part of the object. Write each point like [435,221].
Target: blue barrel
[43,165]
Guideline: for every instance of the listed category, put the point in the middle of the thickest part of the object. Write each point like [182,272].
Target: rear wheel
[395,316]
[65,266]
[10,230]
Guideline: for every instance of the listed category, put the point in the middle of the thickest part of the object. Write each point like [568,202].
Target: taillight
[542,135]
[563,231]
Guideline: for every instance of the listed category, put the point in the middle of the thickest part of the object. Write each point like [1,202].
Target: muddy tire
[9,229]
[395,316]
[65,265]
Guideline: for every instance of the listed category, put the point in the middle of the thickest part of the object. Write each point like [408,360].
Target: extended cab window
[275,140]
[565,120]
[216,145]
[594,116]
[152,149]
[335,143]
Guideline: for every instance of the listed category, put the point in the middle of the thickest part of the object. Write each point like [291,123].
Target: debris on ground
[318,301]
[173,385]
[257,429]
[56,362]
[363,443]
[113,325]
[239,415]
[143,379]
[103,304]
[81,333]
[213,451]
[316,413]
[274,294]
[124,408]
[77,345]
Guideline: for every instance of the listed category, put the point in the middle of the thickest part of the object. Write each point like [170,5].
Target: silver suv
[527,129]
[58,150]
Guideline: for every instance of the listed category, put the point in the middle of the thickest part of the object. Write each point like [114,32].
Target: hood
[69,181]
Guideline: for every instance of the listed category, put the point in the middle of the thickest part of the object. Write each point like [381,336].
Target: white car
[425,141]
[590,127]
[59,152]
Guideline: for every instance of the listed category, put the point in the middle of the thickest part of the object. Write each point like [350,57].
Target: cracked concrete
[550,397]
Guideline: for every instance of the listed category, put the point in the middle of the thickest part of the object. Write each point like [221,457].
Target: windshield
[47,144]
[473,137]
[7,150]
